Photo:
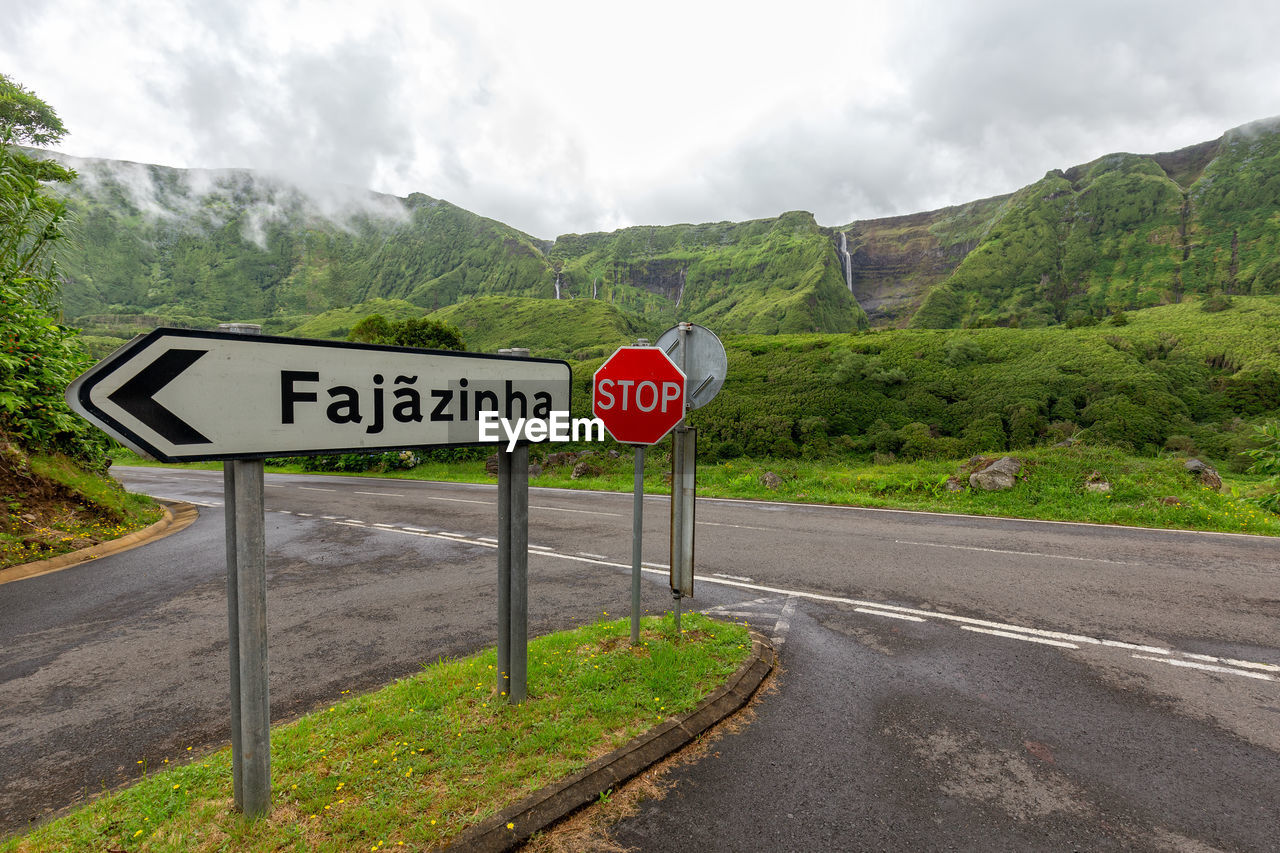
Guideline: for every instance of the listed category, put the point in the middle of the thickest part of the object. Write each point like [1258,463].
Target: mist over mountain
[1123,232]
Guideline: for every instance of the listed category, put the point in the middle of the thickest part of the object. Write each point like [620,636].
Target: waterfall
[557,285]
[847,261]
[595,290]
[680,295]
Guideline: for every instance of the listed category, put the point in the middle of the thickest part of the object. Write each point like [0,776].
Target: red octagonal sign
[639,394]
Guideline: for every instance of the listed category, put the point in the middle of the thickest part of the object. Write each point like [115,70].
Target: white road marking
[1269,667]
[582,511]
[1209,667]
[303,514]
[731,577]
[539,547]
[1016,632]
[314,489]
[273,486]
[740,526]
[887,613]
[1024,637]
[594,556]
[457,500]
[354,521]
[384,526]
[783,626]
[380,494]
[1014,553]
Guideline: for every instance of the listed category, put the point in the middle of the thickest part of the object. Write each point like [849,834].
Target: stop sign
[639,395]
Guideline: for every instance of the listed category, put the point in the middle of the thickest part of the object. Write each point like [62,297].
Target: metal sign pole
[251,601]
[233,630]
[513,567]
[245,519]
[637,532]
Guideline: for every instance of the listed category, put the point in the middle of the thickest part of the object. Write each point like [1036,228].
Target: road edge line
[557,801]
[178,515]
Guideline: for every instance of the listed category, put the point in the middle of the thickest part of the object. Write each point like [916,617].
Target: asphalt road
[949,682]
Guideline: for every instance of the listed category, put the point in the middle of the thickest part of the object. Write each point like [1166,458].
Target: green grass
[418,762]
[1146,491]
[55,507]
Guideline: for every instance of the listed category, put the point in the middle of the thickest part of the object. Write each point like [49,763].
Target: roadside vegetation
[416,763]
[53,480]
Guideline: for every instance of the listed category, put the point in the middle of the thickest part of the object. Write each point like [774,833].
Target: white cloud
[576,116]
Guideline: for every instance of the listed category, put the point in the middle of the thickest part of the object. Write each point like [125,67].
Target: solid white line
[740,526]
[380,494]
[1209,667]
[273,485]
[1022,637]
[887,613]
[596,556]
[1014,553]
[486,539]
[457,500]
[540,547]
[732,577]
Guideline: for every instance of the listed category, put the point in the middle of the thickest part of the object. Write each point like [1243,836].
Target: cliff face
[1124,231]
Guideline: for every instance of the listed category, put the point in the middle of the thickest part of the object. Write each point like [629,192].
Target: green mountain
[1123,232]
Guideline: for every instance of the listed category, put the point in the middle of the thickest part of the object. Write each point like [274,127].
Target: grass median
[415,764]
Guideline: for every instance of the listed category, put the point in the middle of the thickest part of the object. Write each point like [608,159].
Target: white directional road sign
[180,395]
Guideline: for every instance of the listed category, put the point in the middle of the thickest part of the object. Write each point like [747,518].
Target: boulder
[586,468]
[563,457]
[491,465]
[999,475]
[535,470]
[954,484]
[770,481]
[1204,474]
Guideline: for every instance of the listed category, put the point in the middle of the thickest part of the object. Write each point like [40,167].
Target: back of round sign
[704,361]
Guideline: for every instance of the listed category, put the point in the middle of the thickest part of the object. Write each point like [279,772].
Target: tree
[38,355]
[420,332]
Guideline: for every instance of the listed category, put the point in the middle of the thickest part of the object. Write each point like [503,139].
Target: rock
[770,481]
[1205,474]
[491,465]
[954,484]
[563,457]
[1095,482]
[586,468]
[535,470]
[999,475]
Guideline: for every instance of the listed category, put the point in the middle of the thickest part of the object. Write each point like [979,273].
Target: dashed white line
[1269,667]
[380,494]
[1208,667]
[581,511]
[1024,637]
[739,526]
[315,489]
[903,616]
[1013,553]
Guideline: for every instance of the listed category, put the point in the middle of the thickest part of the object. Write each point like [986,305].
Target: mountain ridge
[1122,231]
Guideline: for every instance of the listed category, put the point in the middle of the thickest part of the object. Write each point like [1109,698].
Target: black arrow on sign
[137,396]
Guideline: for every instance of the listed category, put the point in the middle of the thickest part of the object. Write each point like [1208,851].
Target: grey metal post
[245,515]
[519,574]
[504,572]
[233,629]
[251,600]
[637,532]
[513,567]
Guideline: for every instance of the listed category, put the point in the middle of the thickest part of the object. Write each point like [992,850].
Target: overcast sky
[558,117]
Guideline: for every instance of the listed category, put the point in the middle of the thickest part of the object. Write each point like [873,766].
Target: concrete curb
[177,516]
[543,808]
